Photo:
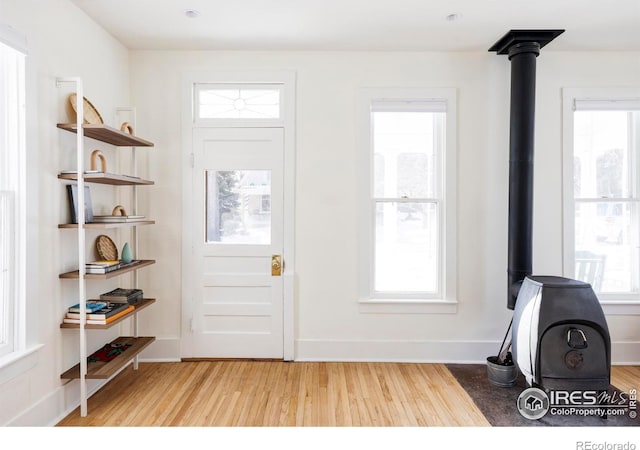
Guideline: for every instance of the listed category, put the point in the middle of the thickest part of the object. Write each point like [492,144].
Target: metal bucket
[503,375]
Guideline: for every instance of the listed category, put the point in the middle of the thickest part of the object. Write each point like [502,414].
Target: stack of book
[102,266]
[98,312]
[117,219]
[120,295]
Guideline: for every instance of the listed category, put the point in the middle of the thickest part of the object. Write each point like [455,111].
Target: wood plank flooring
[258,393]
[286,394]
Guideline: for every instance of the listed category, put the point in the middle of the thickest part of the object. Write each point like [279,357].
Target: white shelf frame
[82,289]
[134,230]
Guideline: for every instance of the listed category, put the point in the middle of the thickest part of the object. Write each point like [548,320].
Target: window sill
[405,306]
[620,307]
[19,362]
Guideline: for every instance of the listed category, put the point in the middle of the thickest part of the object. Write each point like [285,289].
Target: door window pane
[406,250]
[238,103]
[238,206]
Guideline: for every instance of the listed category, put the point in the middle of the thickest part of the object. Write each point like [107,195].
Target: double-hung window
[602,192]
[408,200]
[12,149]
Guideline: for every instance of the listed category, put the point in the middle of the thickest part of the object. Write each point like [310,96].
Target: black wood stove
[560,339]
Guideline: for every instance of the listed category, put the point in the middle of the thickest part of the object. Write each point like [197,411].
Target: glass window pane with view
[238,206]
[606,145]
[239,103]
[406,188]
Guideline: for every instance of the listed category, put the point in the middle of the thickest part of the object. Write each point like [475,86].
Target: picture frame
[72,191]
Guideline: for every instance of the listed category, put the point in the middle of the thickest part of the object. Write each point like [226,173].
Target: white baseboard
[625,353]
[161,350]
[464,352]
[459,352]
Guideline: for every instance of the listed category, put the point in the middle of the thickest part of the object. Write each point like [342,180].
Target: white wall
[62,41]
[329,325]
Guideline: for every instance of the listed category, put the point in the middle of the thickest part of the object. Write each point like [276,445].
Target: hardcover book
[102,266]
[92,306]
[72,192]
[117,219]
[106,321]
[107,353]
[101,314]
[120,295]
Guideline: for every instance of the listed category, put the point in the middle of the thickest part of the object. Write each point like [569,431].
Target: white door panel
[237,227]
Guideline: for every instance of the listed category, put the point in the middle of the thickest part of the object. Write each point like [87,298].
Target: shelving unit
[103,370]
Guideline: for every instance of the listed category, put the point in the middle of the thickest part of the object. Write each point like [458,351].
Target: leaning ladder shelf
[86,369]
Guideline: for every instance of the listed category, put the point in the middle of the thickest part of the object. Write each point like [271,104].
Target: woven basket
[106,248]
[91,114]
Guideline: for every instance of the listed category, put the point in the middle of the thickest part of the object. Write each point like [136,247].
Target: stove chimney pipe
[522,47]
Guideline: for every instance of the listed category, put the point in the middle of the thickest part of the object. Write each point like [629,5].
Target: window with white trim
[408,197]
[601,177]
[12,149]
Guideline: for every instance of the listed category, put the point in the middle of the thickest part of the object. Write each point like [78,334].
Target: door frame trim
[288,80]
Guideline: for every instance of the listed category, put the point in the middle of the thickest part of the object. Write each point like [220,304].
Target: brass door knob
[276,265]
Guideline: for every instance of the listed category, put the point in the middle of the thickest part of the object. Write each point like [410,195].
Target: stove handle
[576,338]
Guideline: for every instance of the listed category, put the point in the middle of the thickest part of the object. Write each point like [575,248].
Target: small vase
[126,253]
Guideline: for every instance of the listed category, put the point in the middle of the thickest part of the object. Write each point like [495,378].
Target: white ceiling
[371,25]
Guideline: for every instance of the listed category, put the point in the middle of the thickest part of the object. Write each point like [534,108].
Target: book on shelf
[72,193]
[117,219]
[69,172]
[133,262]
[102,266]
[101,314]
[103,263]
[107,353]
[106,321]
[121,295]
[91,306]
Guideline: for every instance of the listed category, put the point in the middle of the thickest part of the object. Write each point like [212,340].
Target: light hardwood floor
[260,393]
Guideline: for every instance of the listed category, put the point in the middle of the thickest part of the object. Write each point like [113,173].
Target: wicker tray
[91,114]
[106,249]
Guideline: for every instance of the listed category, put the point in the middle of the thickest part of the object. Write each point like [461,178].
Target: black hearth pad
[498,404]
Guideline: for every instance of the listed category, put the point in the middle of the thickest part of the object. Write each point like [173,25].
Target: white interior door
[237,238]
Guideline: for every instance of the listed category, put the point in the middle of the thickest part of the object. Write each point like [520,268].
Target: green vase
[126,253]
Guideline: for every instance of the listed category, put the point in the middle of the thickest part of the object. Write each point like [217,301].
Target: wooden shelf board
[105,133]
[103,370]
[113,179]
[104,276]
[108,224]
[142,303]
